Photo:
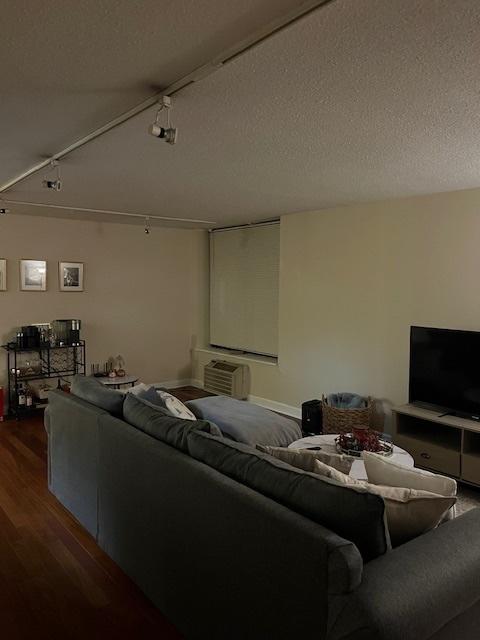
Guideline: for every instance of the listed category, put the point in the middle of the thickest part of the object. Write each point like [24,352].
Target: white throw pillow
[410,512]
[381,470]
[175,406]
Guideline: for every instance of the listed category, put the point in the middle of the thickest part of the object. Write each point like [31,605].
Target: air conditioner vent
[227,379]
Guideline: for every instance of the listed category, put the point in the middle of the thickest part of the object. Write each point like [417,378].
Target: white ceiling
[361,100]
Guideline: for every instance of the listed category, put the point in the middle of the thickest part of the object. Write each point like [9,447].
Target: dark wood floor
[55,582]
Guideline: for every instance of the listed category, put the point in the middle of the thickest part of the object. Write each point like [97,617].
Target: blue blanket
[345,400]
[245,422]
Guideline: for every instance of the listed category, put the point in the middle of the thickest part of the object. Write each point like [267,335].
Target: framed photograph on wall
[33,275]
[70,276]
[3,274]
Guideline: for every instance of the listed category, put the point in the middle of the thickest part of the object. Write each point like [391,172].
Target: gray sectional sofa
[232,544]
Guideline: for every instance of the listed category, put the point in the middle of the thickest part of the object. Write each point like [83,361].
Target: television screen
[445,369]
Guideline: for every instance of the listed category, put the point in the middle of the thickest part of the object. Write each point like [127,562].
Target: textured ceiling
[361,100]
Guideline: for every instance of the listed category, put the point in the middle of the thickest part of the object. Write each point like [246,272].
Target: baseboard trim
[273,405]
[171,384]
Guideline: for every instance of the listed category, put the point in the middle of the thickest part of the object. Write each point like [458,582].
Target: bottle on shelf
[21,396]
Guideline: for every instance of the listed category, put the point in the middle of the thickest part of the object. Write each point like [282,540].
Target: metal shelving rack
[57,362]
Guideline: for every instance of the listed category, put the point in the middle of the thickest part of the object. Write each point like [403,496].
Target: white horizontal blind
[244,271]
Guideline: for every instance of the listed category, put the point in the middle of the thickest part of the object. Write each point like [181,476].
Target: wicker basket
[345,420]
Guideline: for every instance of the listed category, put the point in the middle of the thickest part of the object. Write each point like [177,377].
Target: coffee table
[327,444]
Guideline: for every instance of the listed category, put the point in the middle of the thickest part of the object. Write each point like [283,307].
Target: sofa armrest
[416,589]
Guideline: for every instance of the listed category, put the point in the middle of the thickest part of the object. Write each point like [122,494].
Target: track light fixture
[147,226]
[168,133]
[4,211]
[56,183]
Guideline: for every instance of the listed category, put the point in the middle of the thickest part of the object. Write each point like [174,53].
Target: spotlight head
[4,211]
[169,135]
[54,185]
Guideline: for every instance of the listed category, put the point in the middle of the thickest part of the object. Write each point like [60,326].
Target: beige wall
[354,279]
[141,296]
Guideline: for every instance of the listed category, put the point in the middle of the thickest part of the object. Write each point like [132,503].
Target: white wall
[141,298]
[353,280]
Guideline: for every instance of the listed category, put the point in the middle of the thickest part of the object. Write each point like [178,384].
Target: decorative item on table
[30,368]
[95,371]
[111,368]
[70,275]
[67,332]
[33,275]
[28,337]
[44,329]
[42,390]
[362,439]
[341,412]
[120,367]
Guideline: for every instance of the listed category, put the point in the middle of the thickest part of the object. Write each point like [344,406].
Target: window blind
[244,282]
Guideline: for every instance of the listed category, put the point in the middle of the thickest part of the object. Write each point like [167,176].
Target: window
[244,271]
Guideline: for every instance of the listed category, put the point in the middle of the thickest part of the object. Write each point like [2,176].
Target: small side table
[119,381]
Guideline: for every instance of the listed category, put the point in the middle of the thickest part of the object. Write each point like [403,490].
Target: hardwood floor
[189,393]
[55,582]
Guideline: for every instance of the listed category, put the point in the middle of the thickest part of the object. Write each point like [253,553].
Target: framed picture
[33,275]
[3,274]
[70,276]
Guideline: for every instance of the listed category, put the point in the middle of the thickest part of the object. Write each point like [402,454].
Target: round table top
[118,380]
[327,443]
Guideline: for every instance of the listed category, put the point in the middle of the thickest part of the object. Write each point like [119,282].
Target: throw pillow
[172,404]
[381,470]
[305,459]
[410,512]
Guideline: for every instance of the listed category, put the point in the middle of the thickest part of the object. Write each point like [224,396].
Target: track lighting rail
[303,9]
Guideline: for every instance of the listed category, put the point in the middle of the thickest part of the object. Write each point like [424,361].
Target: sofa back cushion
[159,423]
[93,391]
[355,516]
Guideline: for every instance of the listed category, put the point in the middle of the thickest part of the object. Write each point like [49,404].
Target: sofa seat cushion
[355,516]
[159,423]
[245,422]
[90,389]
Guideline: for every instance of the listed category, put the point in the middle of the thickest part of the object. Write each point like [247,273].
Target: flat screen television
[445,370]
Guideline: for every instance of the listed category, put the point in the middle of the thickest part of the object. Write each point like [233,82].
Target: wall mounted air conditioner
[227,379]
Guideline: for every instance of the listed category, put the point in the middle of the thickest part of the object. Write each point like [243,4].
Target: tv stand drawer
[430,456]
